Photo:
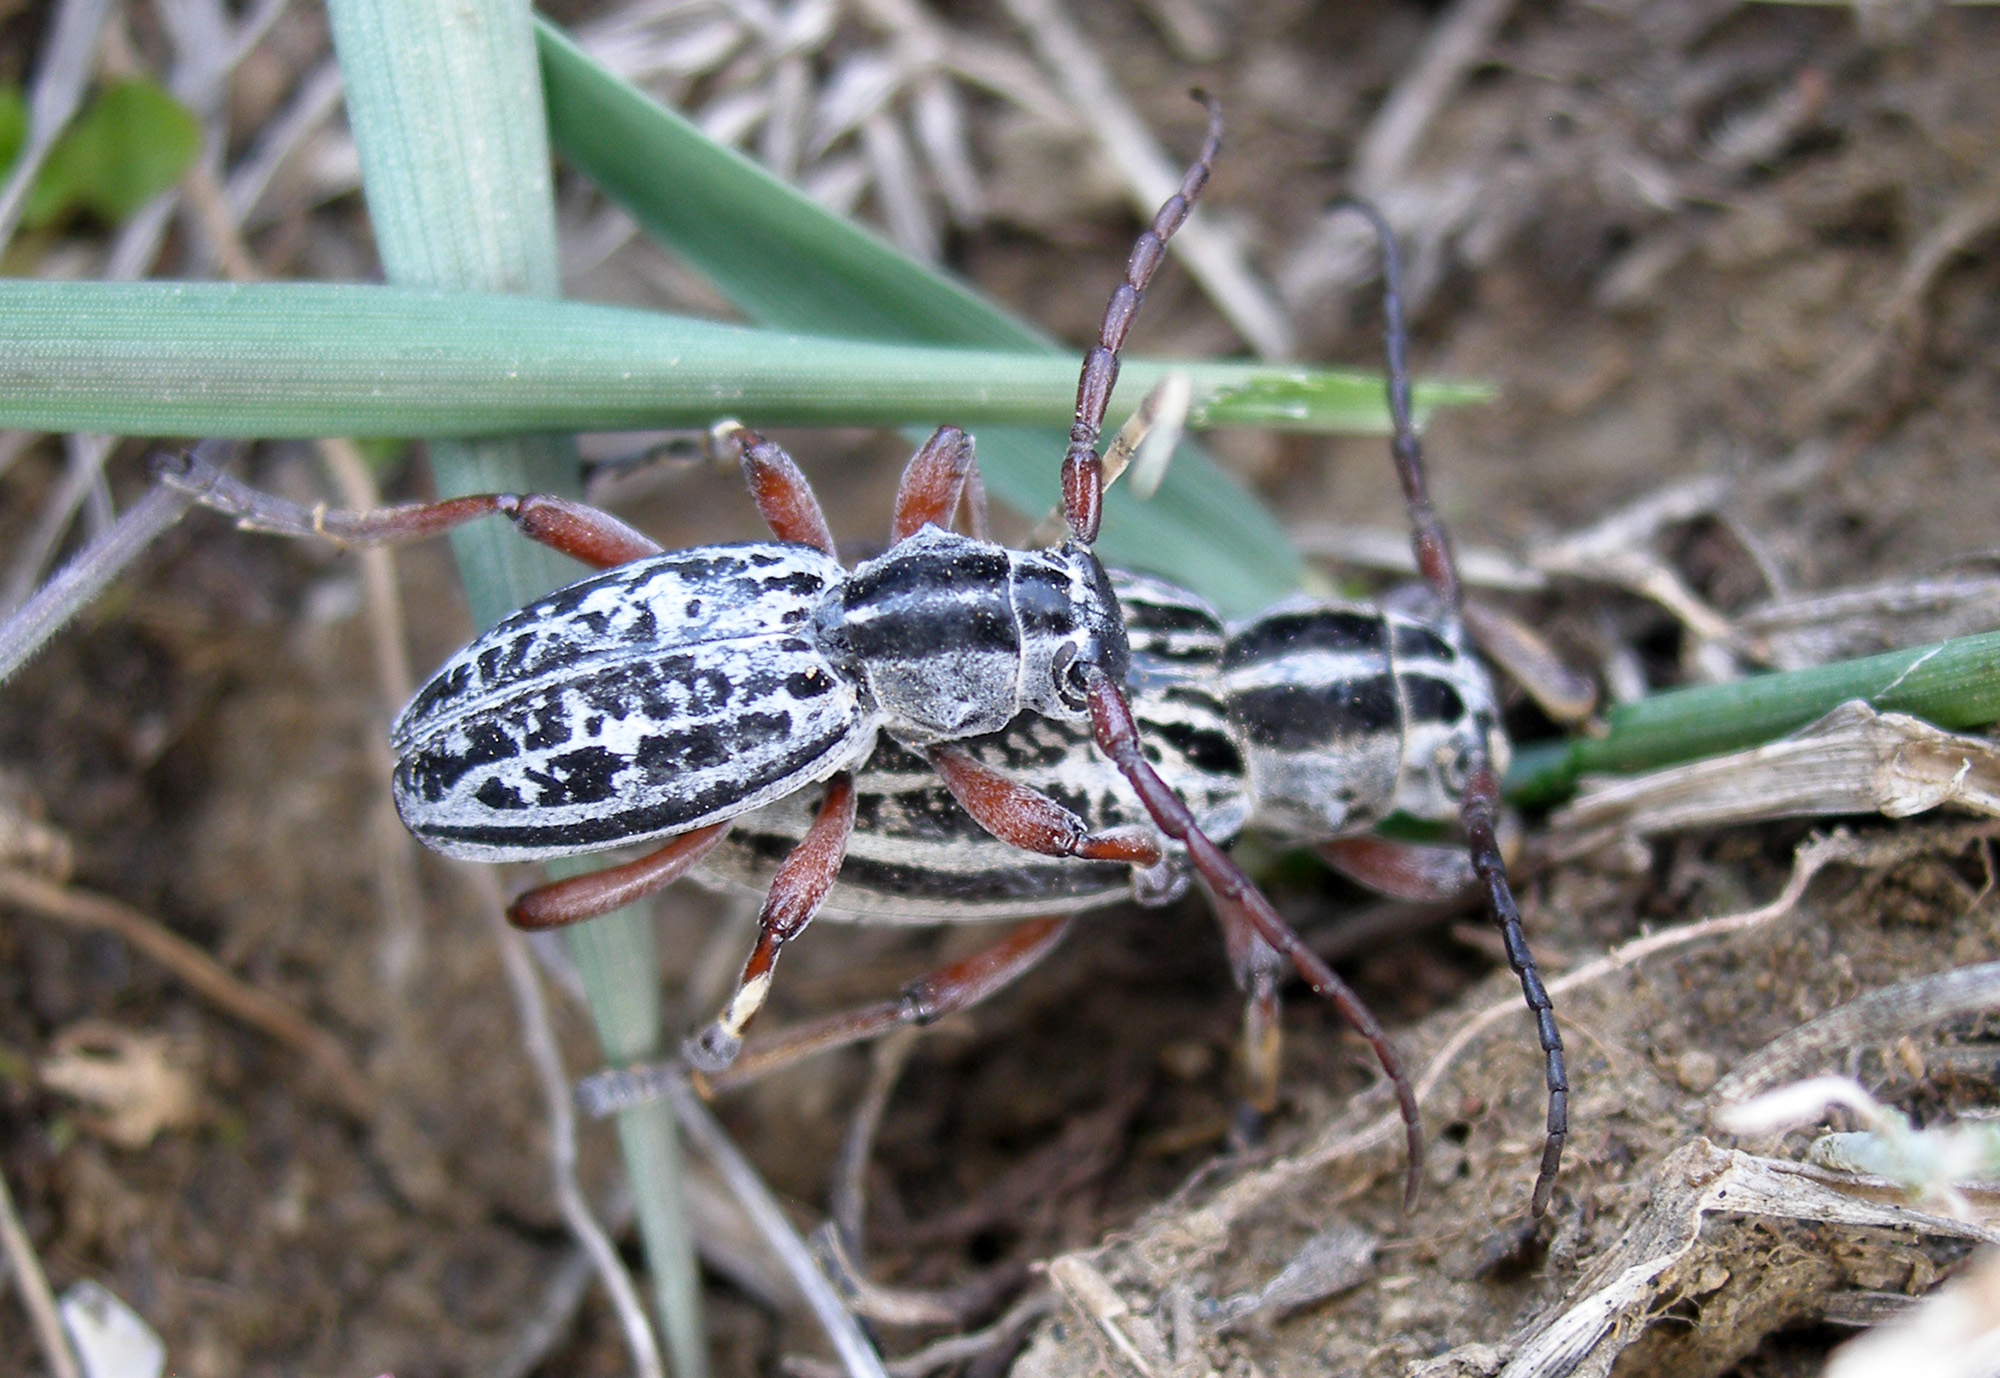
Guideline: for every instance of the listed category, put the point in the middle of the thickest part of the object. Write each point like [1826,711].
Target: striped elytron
[687,689]
[1314,721]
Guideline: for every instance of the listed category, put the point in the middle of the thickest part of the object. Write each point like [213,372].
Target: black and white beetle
[1308,724]
[674,692]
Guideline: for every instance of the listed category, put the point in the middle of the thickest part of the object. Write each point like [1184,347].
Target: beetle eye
[1067,667]
[1455,772]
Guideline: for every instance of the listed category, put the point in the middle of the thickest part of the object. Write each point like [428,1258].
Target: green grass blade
[786,261]
[444,100]
[311,359]
[1954,684]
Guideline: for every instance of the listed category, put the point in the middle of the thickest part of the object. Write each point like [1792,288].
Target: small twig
[206,976]
[398,890]
[848,1200]
[1460,38]
[908,1306]
[1097,1300]
[953,1350]
[857,1356]
[202,193]
[1212,254]
[77,583]
[313,103]
[1867,1019]
[539,1040]
[84,456]
[35,1294]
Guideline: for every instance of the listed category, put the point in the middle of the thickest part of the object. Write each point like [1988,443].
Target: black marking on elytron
[1413,641]
[1293,717]
[606,714]
[1206,748]
[1431,699]
[1332,628]
[1168,617]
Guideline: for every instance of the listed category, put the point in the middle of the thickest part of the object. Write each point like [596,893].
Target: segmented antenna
[1481,807]
[1240,905]
[1082,479]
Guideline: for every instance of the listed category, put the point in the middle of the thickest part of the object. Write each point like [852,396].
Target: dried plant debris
[1339,1257]
[850,100]
[137,1085]
[1798,633]
[1952,1333]
[1758,1261]
[1853,760]
[1666,1253]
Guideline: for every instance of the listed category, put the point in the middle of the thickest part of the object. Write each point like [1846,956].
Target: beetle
[673,692]
[1310,723]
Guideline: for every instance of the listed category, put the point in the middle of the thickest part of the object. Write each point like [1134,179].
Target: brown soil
[1652,301]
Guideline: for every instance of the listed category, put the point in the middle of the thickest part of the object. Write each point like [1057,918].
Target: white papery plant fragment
[1853,760]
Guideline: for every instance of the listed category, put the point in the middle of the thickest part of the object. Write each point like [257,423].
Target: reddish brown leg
[1481,806]
[1028,819]
[933,483]
[1082,470]
[1241,907]
[585,897]
[583,533]
[931,997]
[957,986]
[1118,735]
[796,894]
[780,491]
[1256,968]
[1401,870]
[975,505]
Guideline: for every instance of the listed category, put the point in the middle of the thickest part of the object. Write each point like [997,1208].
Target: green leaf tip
[130,144]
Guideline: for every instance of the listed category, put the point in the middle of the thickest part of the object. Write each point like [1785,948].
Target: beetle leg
[1228,888]
[1256,966]
[795,896]
[585,897]
[780,491]
[1401,870]
[579,531]
[936,478]
[1028,819]
[947,990]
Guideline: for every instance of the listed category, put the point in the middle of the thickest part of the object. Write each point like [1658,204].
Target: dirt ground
[1681,239]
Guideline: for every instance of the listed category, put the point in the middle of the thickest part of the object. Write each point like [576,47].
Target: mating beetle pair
[672,693]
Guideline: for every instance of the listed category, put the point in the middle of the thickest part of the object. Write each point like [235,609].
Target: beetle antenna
[1082,477]
[1237,897]
[1481,806]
